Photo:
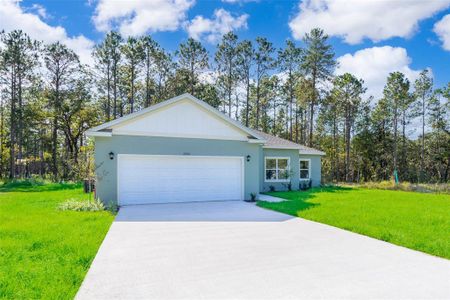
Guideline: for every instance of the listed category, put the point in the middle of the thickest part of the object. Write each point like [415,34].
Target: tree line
[49,99]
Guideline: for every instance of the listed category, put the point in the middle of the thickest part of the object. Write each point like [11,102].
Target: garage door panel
[159,179]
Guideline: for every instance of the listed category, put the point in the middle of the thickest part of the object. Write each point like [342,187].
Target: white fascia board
[319,153]
[91,133]
[252,141]
[281,147]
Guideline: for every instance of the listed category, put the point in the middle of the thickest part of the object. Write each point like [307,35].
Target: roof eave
[319,153]
[91,133]
[170,101]
[281,147]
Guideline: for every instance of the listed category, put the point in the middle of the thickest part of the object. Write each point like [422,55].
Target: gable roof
[254,136]
[105,128]
[274,142]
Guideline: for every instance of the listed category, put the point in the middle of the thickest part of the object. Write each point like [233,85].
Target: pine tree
[192,59]
[61,64]
[133,53]
[246,56]
[423,89]
[263,63]
[289,60]
[396,93]
[226,58]
[347,90]
[318,63]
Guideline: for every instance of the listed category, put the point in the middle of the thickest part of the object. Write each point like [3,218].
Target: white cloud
[40,10]
[355,20]
[13,17]
[213,29]
[373,65]
[238,1]
[442,29]
[138,17]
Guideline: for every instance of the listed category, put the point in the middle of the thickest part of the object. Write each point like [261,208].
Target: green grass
[415,220]
[44,252]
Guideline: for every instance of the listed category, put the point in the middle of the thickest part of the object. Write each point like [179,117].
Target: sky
[371,38]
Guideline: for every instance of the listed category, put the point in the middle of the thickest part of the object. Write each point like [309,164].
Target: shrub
[443,188]
[113,207]
[19,183]
[272,188]
[305,184]
[82,205]
[253,197]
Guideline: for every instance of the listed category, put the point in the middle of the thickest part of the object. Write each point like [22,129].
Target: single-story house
[183,149]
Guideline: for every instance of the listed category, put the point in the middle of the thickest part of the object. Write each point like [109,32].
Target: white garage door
[146,179]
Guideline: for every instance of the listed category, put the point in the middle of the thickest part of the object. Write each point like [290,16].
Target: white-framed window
[277,169]
[305,169]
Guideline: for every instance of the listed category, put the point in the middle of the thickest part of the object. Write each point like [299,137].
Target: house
[183,149]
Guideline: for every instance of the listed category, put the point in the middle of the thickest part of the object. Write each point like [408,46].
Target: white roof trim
[98,133]
[316,152]
[251,141]
[206,106]
[282,147]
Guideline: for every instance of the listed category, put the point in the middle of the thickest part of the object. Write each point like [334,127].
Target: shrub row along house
[183,149]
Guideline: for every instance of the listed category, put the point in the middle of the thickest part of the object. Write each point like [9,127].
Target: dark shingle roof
[279,143]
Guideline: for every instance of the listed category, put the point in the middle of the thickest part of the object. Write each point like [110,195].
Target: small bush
[82,205]
[20,183]
[305,184]
[113,207]
[272,188]
[253,197]
[440,188]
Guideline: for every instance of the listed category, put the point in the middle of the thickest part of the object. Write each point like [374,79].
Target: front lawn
[415,220]
[45,253]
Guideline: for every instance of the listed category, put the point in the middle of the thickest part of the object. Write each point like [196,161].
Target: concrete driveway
[235,250]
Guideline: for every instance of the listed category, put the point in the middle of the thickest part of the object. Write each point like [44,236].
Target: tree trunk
[311,109]
[296,122]
[257,105]
[20,124]
[115,90]
[108,87]
[12,165]
[291,100]
[422,150]
[347,144]
[395,136]
[247,100]
[132,90]
[147,81]
[2,137]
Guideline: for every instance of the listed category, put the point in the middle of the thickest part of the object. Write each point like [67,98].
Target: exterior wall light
[248,157]
[111,155]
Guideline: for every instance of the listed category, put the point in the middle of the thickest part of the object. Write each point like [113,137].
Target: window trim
[277,158]
[300,169]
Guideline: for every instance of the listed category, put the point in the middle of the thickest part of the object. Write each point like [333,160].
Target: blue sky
[370,38]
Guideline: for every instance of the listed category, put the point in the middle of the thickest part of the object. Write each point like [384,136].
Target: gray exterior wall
[254,171]
[294,164]
[316,168]
[106,169]
[295,169]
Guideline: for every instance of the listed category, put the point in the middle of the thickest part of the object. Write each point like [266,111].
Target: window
[277,169]
[305,169]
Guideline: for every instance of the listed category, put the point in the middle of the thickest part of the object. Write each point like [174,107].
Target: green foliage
[82,205]
[193,58]
[45,253]
[415,220]
[48,101]
[439,188]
